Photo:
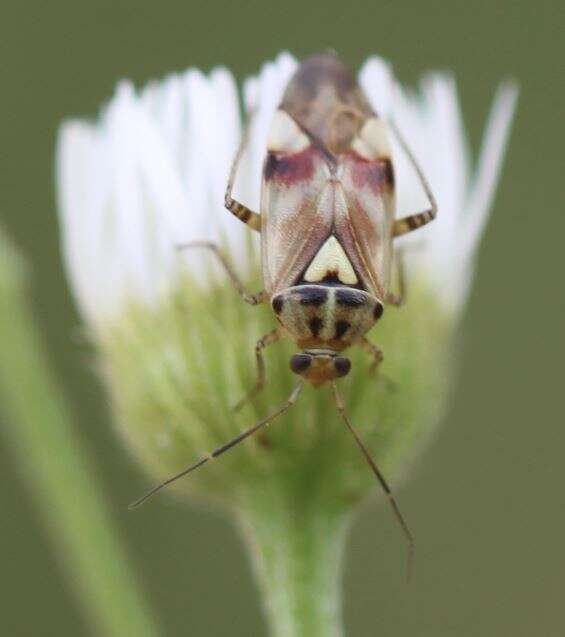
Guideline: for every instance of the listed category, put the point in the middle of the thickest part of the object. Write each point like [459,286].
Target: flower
[152,172]
[430,119]
[175,343]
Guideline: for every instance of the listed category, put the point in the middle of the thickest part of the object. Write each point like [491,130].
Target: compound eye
[342,366]
[378,310]
[299,363]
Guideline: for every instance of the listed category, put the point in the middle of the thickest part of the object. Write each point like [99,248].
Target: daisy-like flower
[176,343]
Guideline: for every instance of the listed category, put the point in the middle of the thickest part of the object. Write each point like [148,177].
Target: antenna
[220,450]
[409,537]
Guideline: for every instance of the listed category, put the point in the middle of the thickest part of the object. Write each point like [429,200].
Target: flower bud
[176,342]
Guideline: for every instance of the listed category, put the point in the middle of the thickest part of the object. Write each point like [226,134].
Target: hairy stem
[297,547]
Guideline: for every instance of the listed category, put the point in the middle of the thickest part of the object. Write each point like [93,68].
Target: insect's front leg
[243,213]
[377,355]
[374,352]
[252,299]
[268,339]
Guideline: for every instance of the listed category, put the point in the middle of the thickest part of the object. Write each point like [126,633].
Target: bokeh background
[486,503]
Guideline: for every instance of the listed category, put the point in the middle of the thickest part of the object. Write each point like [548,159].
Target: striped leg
[252,299]
[412,222]
[243,213]
[268,339]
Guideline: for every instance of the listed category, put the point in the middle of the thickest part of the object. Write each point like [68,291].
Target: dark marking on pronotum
[277,304]
[341,327]
[315,325]
[350,298]
[312,295]
[378,311]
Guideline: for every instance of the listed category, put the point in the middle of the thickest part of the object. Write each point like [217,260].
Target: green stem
[297,552]
[38,425]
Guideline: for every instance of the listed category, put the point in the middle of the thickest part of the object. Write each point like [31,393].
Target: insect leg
[410,539]
[407,224]
[243,213]
[399,297]
[375,352]
[252,299]
[268,339]
[220,450]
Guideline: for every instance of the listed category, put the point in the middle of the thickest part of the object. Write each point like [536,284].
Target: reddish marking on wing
[378,175]
[289,169]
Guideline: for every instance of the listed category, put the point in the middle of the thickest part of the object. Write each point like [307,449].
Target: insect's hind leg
[252,299]
[267,339]
[243,213]
[412,222]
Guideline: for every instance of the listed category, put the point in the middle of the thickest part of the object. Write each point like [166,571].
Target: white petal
[80,197]
[376,80]
[430,121]
[483,188]
[154,211]
[481,194]
[125,229]
[432,126]
[149,176]
[194,168]
[218,155]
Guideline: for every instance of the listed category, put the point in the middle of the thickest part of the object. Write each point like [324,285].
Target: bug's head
[319,367]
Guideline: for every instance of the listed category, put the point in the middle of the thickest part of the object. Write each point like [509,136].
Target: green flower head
[176,343]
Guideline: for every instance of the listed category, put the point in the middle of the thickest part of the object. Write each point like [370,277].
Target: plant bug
[327,224]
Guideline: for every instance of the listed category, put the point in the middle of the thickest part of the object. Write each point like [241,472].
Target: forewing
[293,225]
[364,225]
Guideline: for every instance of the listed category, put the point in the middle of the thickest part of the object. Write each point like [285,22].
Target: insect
[327,224]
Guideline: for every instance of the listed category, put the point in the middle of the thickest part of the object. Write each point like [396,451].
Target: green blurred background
[486,502]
